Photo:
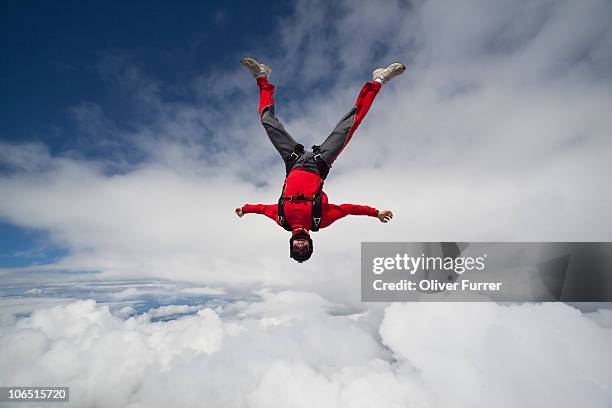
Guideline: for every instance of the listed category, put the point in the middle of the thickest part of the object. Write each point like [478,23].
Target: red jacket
[298,213]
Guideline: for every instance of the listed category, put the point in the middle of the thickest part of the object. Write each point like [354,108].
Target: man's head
[300,246]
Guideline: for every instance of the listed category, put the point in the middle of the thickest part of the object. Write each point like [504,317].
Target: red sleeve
[269,210]
[335,212]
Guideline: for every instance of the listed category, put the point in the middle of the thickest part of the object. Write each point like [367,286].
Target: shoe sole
[251,64]
[255,66]
[394,69]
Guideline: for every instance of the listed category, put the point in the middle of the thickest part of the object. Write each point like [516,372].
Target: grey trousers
[331,147]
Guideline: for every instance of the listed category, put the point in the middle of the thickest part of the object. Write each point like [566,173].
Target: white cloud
[11,307]
[26,157]
[34,291]
[171,310]
[481,354]
[427,355]
[204,290]
[126,311]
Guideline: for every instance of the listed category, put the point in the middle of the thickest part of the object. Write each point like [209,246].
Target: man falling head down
[303,206]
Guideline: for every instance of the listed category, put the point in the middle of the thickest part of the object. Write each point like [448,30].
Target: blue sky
[53,61]
[52,53]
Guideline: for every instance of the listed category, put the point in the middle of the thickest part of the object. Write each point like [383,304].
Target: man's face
[301,244]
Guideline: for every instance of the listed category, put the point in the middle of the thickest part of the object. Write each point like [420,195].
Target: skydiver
[303,206]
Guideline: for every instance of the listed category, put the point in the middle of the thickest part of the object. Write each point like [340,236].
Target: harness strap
[322,165]
[317,209]
[290,160]
[281,210]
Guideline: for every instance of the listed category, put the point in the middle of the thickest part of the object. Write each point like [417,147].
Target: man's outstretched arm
[335,212]
[269,210]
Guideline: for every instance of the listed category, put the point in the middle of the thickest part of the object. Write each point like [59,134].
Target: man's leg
[331,148]
[280,138]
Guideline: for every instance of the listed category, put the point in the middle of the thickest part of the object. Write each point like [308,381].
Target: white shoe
[385,74]
[255,67]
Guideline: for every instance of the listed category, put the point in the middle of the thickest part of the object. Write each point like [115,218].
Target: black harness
[317,205]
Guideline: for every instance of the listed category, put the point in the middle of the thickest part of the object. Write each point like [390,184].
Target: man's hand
[385,216]
[239,212]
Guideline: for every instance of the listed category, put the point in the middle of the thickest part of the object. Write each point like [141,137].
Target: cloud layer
[290,349]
